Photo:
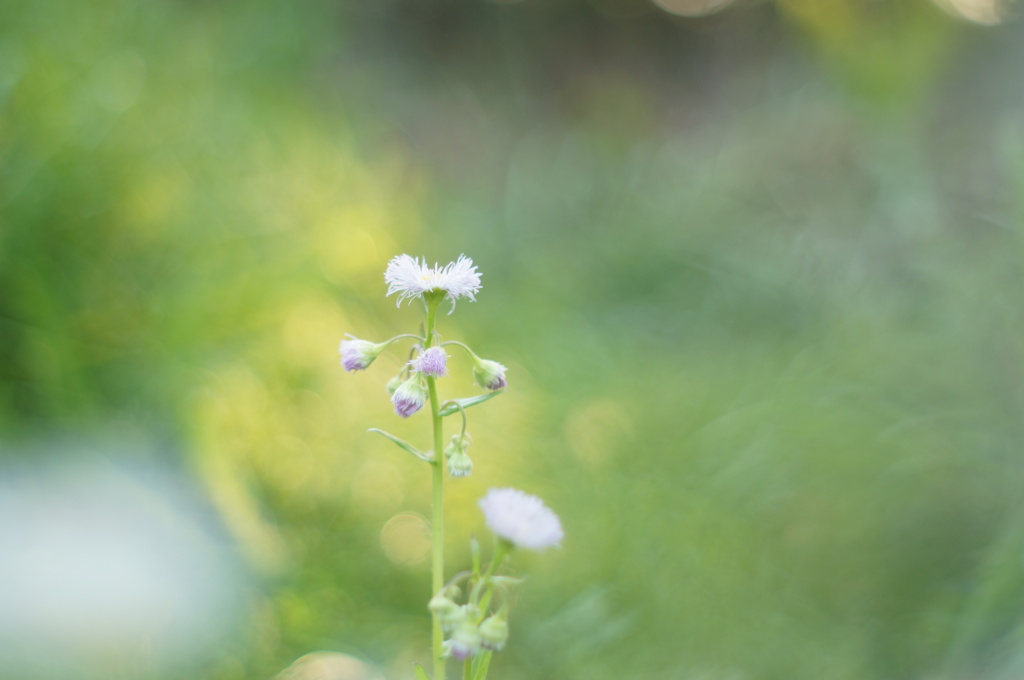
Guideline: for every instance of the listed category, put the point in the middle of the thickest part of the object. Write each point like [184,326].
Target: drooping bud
[357,355]
[465,641]
[459,463]
[489,374]
[494,632]
[393,384]
[410,396]
[432,361]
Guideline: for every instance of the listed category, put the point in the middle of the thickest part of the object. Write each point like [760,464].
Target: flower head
[489,374]
[357,354]
[521,519]
[412,278]
[432,361]
[409,397]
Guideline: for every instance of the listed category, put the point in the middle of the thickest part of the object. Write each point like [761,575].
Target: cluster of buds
[408,390]
[468,631]
[518,520]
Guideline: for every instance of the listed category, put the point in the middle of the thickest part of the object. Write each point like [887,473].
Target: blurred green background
[756,269]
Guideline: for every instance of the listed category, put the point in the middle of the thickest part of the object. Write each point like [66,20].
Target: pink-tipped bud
[409,397]
[432,361]
[357,354]
[489,374]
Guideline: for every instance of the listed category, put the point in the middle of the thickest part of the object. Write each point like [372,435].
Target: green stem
[462,345]
[437,511]
[390,341]
[501,550]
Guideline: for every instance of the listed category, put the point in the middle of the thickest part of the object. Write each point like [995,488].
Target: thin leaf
[420,673]
[429,457]
[449,408]
[480,664]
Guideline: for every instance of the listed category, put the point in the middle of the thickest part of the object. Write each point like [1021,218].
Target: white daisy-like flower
[412,278]
[521,519]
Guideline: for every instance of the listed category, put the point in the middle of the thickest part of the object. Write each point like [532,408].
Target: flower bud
[432,361]
[459,464]
[449,613]
[441,605]
[357,354]
[489,374]
[409,397]
[465,641]
[393,384]
[494,632]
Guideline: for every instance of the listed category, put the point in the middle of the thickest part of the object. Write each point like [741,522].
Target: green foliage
[764,346]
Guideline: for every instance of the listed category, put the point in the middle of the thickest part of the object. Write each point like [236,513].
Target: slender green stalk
[462,345]
[437,511]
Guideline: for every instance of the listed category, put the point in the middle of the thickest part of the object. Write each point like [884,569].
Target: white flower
[412,278]
[521,519]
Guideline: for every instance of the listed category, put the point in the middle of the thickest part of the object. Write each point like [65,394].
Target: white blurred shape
[986,12]
[692,8]
[101,563]
[329,666]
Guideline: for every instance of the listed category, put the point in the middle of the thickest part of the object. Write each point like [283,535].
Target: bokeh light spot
[986,12]
[692,8]
[405,539]
[596,428]
[329,666]
[118,80]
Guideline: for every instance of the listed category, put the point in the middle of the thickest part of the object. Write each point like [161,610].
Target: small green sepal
[420,673]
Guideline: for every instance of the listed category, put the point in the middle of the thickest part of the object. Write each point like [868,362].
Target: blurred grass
[760,295]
